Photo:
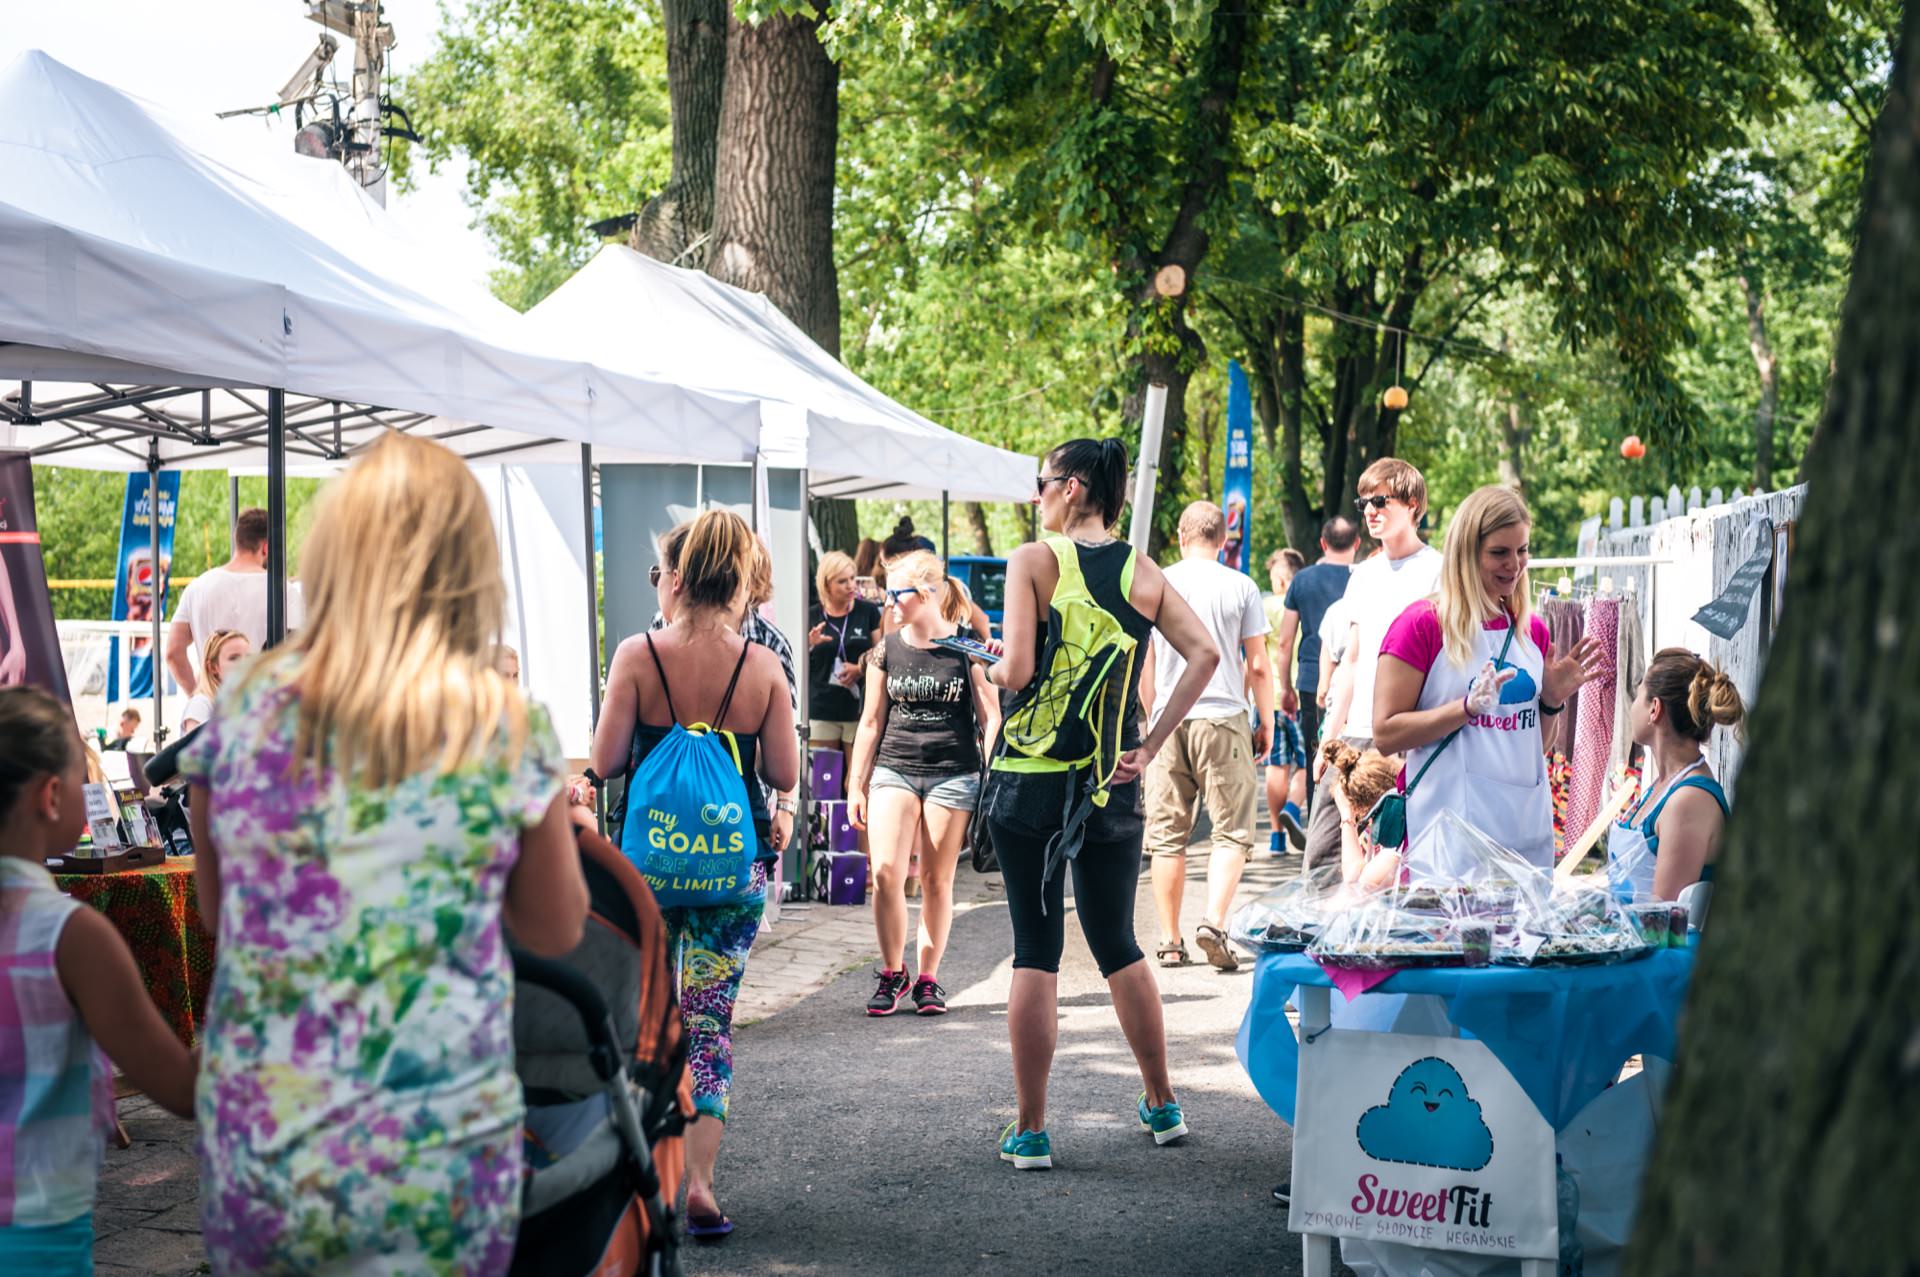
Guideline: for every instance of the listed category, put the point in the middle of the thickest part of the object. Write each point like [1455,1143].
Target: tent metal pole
[233,504]
[276,516]
[593,618]
[156,664]
[946,525]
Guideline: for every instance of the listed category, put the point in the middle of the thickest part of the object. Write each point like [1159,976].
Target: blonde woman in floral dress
[374,810]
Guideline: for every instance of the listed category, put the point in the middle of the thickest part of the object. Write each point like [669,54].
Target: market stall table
[157,911]
[1562,1033]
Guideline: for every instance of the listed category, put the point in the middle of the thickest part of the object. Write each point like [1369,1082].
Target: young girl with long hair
[1468,679]
[74,1001]
[225,650]
[916,768]
[376,812]
[700,670]
[1080,491]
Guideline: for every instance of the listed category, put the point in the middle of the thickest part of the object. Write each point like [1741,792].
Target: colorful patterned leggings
[708,948]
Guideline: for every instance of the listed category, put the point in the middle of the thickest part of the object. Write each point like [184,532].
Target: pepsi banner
[141,576]
[1237,496]
[29,643]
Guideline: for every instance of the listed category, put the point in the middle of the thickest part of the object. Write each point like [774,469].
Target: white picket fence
[1678,553]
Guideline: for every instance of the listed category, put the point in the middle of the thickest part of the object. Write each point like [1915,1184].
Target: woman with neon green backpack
[1066,784]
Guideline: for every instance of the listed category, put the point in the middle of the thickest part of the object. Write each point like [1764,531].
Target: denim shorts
[1289,748]
[960,792]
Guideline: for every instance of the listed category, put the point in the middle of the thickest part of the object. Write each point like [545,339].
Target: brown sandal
[1213,943]
[1172,954]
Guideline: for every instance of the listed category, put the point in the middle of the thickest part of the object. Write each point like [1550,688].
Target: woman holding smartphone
[916,766]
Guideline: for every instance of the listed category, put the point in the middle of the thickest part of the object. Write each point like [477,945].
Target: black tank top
[646,736]
[1102,566]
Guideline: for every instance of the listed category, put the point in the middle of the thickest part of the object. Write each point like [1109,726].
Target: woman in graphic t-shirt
[1467,680]
[916,765]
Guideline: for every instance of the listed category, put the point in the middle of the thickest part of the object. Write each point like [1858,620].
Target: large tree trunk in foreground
[1788,1143]
[674,222]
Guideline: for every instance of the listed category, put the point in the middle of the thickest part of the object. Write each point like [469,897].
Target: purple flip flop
[708,1228]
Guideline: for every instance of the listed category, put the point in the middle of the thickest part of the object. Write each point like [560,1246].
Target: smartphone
[971,647]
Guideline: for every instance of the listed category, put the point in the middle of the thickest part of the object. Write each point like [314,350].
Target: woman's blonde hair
[760,576]
[217,643]
[715,561]
[393,670]
[832,564]
[955,603]
[922,569]
[1463,603]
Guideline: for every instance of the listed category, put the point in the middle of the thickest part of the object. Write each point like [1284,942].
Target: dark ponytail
[37,738]
[1101,467]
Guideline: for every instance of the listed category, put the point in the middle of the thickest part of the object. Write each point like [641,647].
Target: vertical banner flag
[1237,499]
[29,643]
[141,577]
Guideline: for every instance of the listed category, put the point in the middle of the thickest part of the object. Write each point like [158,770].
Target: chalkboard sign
[1727,613]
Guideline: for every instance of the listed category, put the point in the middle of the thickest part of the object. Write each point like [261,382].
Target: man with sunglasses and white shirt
[1393,502]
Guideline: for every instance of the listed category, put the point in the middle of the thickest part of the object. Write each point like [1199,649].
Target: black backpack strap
[726,701]
[671,711]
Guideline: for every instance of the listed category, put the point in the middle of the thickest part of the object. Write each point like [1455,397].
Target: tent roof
[143,253]
[624,309]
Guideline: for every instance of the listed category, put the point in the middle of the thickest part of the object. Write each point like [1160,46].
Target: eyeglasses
[654,574]
[905,592]
[1377,501]
[1040,482]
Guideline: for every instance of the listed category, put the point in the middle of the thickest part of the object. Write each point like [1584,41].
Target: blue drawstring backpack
[689,824]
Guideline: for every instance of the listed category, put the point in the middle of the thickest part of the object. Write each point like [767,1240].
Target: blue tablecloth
[1563,1032]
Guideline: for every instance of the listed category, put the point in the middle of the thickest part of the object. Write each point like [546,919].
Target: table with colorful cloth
[157,910]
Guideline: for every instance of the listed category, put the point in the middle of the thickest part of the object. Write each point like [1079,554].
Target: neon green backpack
[1068,719]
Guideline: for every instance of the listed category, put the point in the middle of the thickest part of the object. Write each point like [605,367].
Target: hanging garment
[1567,624]
[1630,666]
[1594,718]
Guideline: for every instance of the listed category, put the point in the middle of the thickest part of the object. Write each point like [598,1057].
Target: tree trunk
[1515,434]
[1768,366]
[977,524]
[674,222]
[1799,1053]
[773,176]
[773,190]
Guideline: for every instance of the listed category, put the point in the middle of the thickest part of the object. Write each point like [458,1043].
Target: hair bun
[1714,697]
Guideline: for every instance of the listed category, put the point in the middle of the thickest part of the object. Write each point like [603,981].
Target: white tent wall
[539,519]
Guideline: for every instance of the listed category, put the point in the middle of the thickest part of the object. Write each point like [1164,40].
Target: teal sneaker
[1164,1123]
[1027,1150]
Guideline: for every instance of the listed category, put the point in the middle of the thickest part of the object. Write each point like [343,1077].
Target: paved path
[862,1146]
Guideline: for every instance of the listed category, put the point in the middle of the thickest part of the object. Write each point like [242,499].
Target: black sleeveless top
[1102,566]
[646,736]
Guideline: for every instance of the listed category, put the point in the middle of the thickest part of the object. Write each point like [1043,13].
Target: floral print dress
[357,1102]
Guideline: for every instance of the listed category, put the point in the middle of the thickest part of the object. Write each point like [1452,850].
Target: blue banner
[1237,498]
[141,577]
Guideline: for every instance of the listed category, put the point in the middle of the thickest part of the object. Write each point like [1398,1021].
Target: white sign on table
[1421,1141]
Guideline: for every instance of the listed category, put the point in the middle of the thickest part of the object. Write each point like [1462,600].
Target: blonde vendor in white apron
[1467,682]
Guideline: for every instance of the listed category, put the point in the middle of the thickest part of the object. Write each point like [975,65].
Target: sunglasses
[1040,482]
[1377,501]
[654,574]
[905,592]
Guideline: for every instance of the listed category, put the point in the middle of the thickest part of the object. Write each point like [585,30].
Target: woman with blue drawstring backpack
[693,711]
[1065,779]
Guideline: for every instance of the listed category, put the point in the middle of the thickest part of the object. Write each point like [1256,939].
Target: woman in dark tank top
[1080,491]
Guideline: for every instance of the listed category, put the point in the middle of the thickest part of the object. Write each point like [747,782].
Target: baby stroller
[602,1061]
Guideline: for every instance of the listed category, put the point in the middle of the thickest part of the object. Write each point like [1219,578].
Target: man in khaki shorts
[1215,752]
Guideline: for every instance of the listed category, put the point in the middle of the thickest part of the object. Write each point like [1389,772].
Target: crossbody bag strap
[1504,649]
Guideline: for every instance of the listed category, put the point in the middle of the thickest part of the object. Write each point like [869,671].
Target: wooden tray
[120,862]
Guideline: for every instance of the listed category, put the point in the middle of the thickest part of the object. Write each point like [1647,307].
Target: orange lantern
[1395,397]
[1632,449]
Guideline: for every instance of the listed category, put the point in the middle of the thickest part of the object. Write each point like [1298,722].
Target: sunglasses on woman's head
[1377,501]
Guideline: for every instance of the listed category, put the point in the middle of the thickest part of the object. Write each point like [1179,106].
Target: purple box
[841,835]
[846,878]
[829,781]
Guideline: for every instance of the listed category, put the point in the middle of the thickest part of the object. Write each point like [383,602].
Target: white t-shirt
[222,599]
[1377,593]
[199,708]
[1333,633]
[1228,603]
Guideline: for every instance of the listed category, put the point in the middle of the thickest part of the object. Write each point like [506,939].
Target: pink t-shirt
[1415,635]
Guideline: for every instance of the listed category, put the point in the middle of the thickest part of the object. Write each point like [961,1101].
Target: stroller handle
[578,992]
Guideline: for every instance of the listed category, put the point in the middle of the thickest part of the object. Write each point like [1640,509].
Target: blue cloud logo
[1520,689]
[1428,1120]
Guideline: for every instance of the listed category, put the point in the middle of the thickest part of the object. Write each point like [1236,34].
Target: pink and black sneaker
[928,997]
[886,997]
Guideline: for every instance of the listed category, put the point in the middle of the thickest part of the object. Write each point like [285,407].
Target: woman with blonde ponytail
[376,814]
[1467,681]
[1669,841]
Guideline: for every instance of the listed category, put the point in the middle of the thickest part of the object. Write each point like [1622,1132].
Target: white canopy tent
[626,310]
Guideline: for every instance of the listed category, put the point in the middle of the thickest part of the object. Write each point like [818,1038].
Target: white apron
[1629,853]
[1493,775]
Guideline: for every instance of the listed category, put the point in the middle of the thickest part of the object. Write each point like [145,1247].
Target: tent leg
[155,662]
[593,612]
[233,505]
[946,524]
[276,516]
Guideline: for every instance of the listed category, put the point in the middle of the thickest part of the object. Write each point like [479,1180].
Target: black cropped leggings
[1106,877]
